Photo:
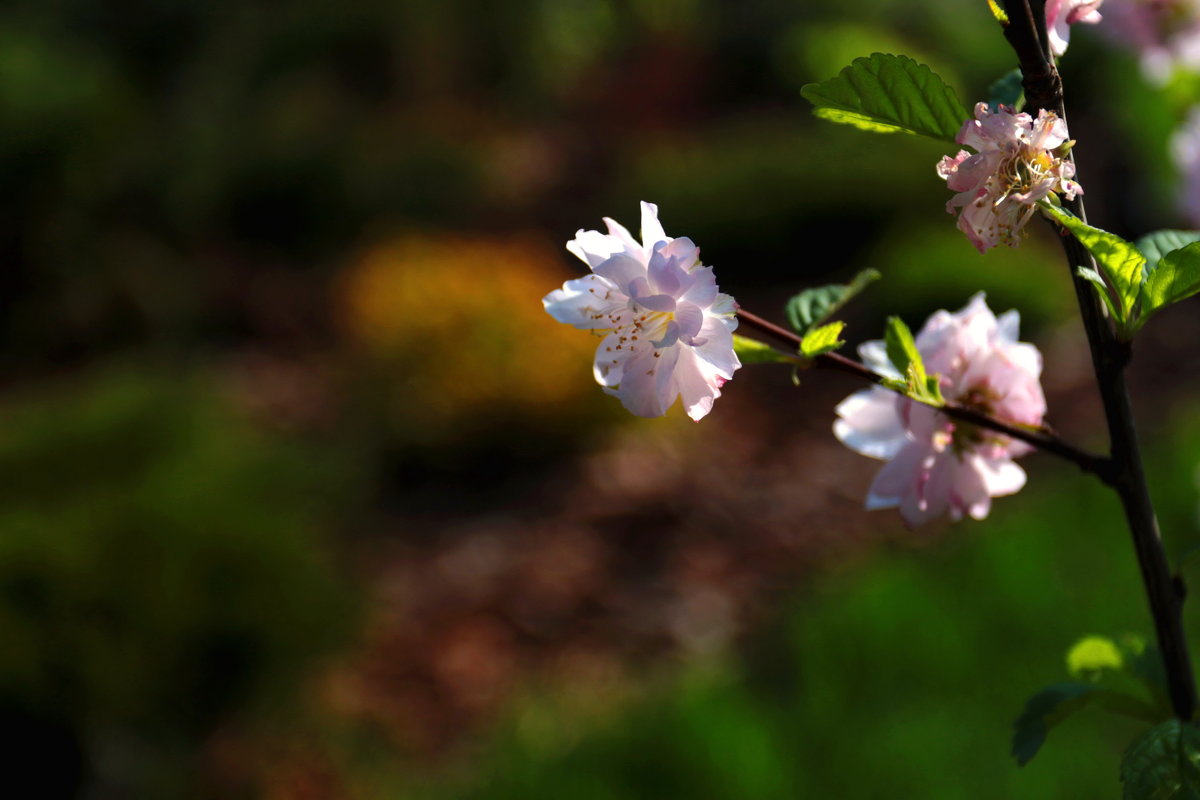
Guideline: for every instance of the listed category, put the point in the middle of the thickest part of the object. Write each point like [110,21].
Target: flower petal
[652,230]
[868,424]
[583,302]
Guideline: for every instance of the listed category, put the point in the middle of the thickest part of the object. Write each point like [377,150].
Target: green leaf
[1092,655]
[813,306]
[1163,764]
[1097,280]
[1043,711]
[1144,662]
[902,352]
[822,340]
[1156,245]
[1007,90]
[1120,263]
[752,351]
[901,348]
[1176,277]
[887,93]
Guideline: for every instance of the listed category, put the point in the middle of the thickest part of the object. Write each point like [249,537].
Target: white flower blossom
[667,331]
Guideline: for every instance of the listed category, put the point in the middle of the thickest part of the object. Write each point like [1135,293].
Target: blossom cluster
[1018,161]
[667,331]
[935,464]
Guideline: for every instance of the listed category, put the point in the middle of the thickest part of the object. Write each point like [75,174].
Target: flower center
[1024,170]
[649,325]
[965,437]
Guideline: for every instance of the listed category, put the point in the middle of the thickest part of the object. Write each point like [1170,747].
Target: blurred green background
[305,497]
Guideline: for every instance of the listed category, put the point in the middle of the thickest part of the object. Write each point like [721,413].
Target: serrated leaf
[889,93]
[752,351]
[1007,90]
[1120,263]
[1043,711]
[1176,277]
[1092,655]
[822,340]
[1156,245]
[1163,764]
[813,306]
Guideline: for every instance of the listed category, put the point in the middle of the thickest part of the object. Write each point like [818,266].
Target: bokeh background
[303,495]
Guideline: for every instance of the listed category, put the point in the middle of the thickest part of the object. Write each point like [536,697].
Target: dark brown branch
[1043,90]
[1038,437]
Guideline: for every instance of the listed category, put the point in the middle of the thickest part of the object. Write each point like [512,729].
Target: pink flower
[1185,151]
[1166,33]
[667,332]
[936,465]
[1019,161]
[1062,14]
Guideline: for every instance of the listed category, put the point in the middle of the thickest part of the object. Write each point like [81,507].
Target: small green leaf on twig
[906,358]
[1121,266]
[1136,281]
[813,306]
[822,340]
[752,351]
[1175,277]
[888,93]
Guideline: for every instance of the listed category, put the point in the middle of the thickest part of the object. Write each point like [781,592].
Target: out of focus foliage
[274,372]
[161,571]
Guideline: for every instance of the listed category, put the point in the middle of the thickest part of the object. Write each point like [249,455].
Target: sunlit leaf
[752,351]
[1119,262]
[902,352]
[822,340]
[1092,655]
[1176,277]
[1094,278]
[889,93]
[901,348]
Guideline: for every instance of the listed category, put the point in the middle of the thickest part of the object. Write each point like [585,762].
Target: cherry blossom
[667,332]
[937,465]
[1164,33]
[1062,14]
[1020,160]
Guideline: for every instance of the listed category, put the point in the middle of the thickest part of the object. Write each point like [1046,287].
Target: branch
[1041,438]
[1026,33]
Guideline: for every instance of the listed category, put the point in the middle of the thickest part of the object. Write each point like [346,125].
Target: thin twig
[1040,438]
[1043,89]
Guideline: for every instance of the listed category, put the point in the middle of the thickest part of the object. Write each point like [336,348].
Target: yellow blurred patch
[458,323]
